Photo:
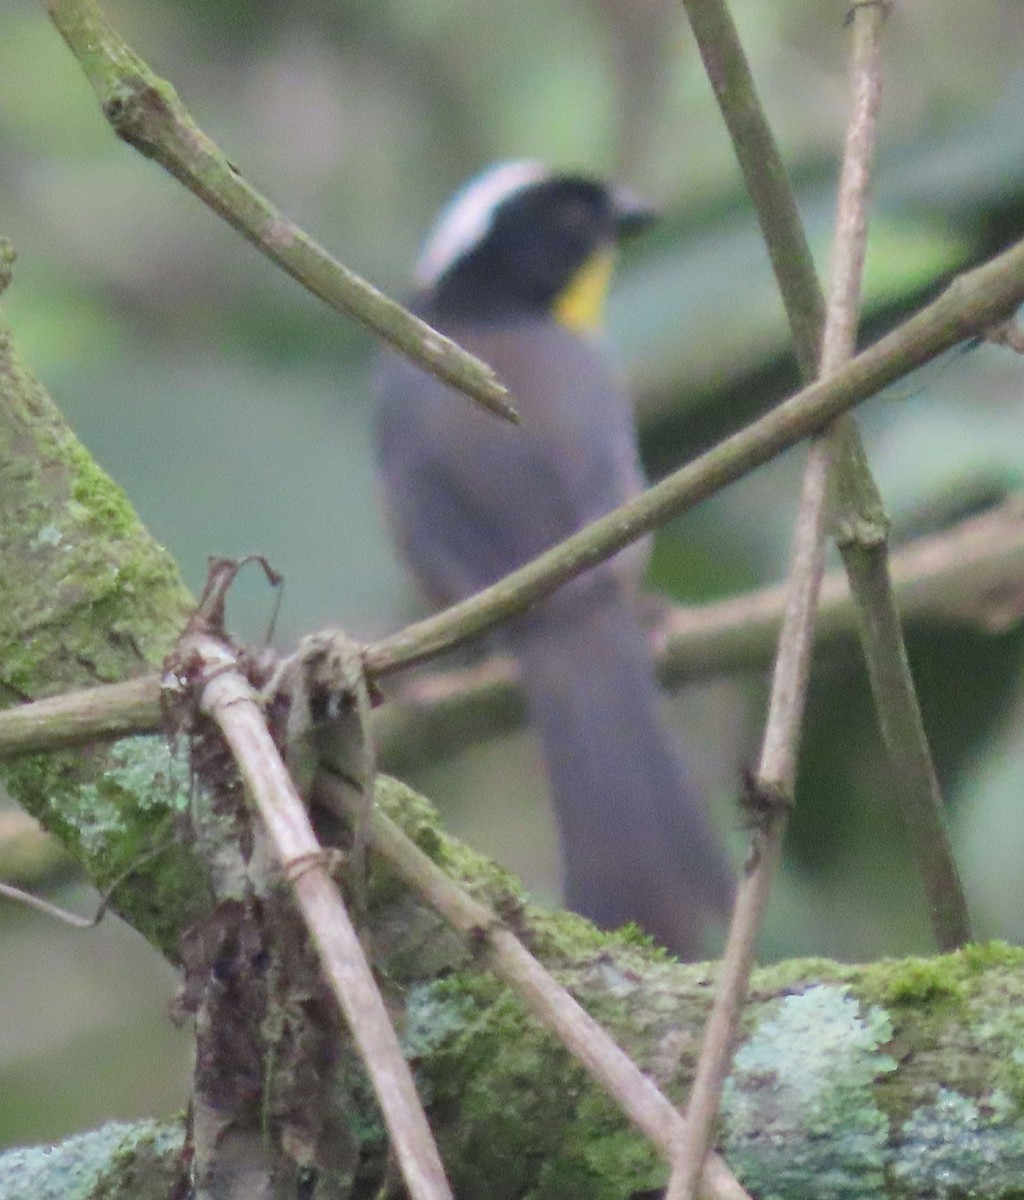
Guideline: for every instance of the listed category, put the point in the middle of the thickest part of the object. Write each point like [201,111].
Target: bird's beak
[633,214]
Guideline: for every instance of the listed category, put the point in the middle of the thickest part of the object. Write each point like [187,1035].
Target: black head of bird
[517,269]
[518,242]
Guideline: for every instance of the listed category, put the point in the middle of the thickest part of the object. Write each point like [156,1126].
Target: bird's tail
[636,843]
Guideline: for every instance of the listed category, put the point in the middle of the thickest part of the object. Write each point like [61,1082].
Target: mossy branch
[87,596]
[897,1080]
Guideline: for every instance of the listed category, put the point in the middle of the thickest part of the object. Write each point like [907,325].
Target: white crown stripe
[468,215]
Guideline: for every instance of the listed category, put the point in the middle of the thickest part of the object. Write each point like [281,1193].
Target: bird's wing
[472,497]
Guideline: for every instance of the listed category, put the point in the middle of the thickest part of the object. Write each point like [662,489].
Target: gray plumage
[470,498]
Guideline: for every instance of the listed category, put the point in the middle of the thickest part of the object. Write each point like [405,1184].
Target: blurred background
[235,409]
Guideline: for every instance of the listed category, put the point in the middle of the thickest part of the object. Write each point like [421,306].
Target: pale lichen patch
[961,1147]
[800,1117]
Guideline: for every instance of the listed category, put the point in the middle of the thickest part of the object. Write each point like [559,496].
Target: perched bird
[517,270]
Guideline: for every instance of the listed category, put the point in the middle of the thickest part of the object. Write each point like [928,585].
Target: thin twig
[19,896]
[899,716]
[145,111]
[970,573]
[859,521]
[776,774]
[100,714]
[229,699]
[861,532]
[502,952]
[764,173]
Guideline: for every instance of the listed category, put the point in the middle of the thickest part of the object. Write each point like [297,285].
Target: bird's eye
[576,215]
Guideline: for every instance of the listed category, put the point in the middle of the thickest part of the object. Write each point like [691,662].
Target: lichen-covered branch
[899,1079]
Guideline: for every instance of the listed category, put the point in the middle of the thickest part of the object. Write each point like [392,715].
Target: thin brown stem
[859,520]
[502,952]
[860,529]
[899,715]
[764,174]
[776,773]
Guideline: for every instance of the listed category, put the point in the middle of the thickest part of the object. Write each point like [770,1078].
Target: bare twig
[1009,334]
[99,714]
[970,573]
[229,699]
[764,173]
[899,716]
[20,896]
[503,953]
[776,774]
[860,529]
[145,111]
[859,521]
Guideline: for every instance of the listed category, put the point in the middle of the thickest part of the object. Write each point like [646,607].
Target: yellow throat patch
[580,305]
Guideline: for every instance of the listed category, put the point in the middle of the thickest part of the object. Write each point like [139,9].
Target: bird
[516,270]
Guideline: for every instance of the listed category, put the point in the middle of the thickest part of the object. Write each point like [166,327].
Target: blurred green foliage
[235,409]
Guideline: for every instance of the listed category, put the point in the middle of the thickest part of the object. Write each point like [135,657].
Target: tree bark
[901,1078]
[87,596]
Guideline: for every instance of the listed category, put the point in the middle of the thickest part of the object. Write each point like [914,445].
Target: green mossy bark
[898,1079]
[87,596]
